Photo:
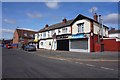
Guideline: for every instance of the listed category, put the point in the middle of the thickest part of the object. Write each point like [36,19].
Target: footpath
[92,56]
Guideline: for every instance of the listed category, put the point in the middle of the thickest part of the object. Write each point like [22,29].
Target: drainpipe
[102,28]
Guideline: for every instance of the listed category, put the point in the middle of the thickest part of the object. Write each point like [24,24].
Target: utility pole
[53,36]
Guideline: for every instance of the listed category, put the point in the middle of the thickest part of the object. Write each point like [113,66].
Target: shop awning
[35,40]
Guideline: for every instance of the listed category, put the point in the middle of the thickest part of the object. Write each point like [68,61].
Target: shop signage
[62,37]
[78,36]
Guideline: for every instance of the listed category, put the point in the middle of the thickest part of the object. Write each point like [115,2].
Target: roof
[22,31]
[113,31]
[68,23]
[58,25]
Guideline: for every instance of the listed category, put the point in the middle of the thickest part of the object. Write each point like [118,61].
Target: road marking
[76,62]
[80,63]
[90,65]
[107,68]
[62,59]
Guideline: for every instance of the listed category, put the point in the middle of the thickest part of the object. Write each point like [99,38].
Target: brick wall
[111,45]
[15,38]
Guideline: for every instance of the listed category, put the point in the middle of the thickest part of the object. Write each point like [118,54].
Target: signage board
[77,36]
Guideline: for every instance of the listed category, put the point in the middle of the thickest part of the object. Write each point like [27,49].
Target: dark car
[29,48]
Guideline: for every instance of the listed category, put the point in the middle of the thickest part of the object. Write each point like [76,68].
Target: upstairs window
[32,35]
[64,30]
[58,30]
[25,34]
[80,27]
[44,34]
[48,33]
[52,32]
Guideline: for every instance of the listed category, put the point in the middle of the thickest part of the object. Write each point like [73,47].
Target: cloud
[34,15]
[10,21]
[52,5]
[7,31]
[93,9]
[111,18]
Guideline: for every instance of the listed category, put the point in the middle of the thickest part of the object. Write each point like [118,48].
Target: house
[23,36]
[114,33]
[79,34]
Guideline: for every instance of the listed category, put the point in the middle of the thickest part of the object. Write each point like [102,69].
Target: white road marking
[76,62]
[90,65]
[107,68]
[62,59]
[80,63]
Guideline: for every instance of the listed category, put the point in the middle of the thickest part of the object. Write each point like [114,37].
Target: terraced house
[79,34]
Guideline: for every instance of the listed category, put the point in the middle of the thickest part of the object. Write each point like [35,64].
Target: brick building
[23,36]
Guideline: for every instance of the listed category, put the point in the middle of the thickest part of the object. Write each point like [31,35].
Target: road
[21,64]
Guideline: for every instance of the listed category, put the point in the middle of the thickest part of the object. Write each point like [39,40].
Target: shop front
[79,43]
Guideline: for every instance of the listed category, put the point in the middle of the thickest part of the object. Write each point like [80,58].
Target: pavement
[58,64]
[80,55]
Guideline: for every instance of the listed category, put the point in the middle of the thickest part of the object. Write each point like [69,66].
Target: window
[48,33]
[42,43]
[80,27]
[49,43]
[64,30]
[52,32]
[44,34]
[25,34]
[58,31]
[31,35]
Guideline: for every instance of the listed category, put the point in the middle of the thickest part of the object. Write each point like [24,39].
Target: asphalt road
[22,64]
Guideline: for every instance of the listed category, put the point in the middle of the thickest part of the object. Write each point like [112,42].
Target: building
[79,34]
[23,36]
[114,33]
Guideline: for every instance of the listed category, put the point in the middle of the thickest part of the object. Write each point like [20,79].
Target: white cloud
[93,9]
[34,15]
[7,31]
[111,18]
[10,21]
[52,5]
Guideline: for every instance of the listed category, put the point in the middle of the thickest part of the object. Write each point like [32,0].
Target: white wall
[44,44]
[86,26]
[36,36]
[115,35]
[53,45]
[97,28]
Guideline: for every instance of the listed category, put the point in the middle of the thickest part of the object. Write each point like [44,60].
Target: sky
[35,15]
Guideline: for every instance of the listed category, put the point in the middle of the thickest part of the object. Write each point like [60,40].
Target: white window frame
[80,27]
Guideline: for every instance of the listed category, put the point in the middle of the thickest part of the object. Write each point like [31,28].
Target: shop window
[49,43]
[42,43]
[80,27]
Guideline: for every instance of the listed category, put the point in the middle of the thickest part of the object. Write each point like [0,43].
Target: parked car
[9,46]
[29,48]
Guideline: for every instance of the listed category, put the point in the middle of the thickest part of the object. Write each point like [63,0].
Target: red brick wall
[111,45]
[15,38]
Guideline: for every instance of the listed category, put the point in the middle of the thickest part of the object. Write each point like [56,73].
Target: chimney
[46,26]
[64,20]
[95,17]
